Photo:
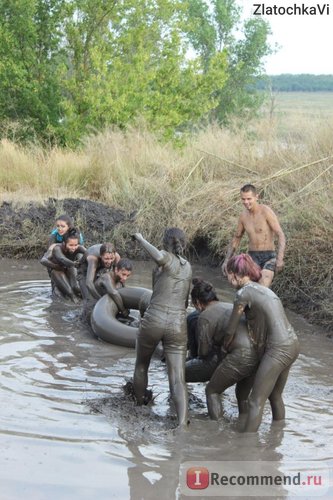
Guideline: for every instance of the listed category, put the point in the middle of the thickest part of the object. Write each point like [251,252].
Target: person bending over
[220,369]
[102,271]
[274,335]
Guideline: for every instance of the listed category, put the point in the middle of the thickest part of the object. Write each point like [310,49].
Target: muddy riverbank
[24,231]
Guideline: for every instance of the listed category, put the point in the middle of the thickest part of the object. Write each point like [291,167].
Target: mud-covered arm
[233,323]
[157,255]
[116,297]
[47,262]
[60,257]
[79,255]
[205,343]
[107,283]
[92,263]
[81,250]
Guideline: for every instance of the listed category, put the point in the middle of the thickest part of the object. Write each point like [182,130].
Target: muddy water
[68,432]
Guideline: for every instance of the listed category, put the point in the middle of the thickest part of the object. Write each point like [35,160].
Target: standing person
[165,319]
[261,225]
[220,369]
[275,337]
[64,223]
[62,259]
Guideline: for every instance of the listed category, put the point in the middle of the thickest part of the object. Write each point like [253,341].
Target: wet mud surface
[69,431]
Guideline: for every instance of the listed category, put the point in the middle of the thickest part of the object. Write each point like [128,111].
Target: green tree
[29,59]
[216,26]
[127,60]
[69,66]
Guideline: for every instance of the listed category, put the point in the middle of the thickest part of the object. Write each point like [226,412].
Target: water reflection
[53,370]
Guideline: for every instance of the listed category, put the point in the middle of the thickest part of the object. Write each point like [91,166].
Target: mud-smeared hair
[124,264]
[249,187]
[202,291]
[72,234]
[244,265]
[66,218]
[106,248]
[174,239]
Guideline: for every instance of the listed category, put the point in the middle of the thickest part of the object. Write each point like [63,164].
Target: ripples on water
[68,432]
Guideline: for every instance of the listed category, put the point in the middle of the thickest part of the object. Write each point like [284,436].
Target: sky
[305,41]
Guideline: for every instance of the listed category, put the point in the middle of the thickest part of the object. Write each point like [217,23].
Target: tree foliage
[30,91]
[217,27]
[68,66]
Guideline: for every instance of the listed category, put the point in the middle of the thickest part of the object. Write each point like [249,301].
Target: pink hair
[244,265]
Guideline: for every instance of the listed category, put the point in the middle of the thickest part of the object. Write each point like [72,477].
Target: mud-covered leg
[225,375]
[214,404]
[275,399]
[140,378]
[72,278]
[61,281]
[243,389]
[176,372]
[265,379]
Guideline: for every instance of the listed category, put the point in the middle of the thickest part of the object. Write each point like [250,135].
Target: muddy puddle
[68,431]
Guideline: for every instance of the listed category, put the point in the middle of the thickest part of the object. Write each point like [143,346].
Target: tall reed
[197,186]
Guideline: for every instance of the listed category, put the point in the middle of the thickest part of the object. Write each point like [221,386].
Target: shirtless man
[261,225]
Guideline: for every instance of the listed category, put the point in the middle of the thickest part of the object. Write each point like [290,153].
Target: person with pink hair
[275,338]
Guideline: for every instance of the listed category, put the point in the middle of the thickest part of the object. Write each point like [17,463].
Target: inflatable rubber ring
[104,320]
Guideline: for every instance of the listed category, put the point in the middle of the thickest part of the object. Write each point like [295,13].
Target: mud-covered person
[165,319]
[102,271]
[222,369]
[262,227]
[62,260]
[202,325]
[275,338]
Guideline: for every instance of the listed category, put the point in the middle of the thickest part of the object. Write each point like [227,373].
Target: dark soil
[24,231]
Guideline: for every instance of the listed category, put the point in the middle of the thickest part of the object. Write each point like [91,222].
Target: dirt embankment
[25,231]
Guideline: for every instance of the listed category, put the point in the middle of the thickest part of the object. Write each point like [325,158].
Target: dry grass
[197,188]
